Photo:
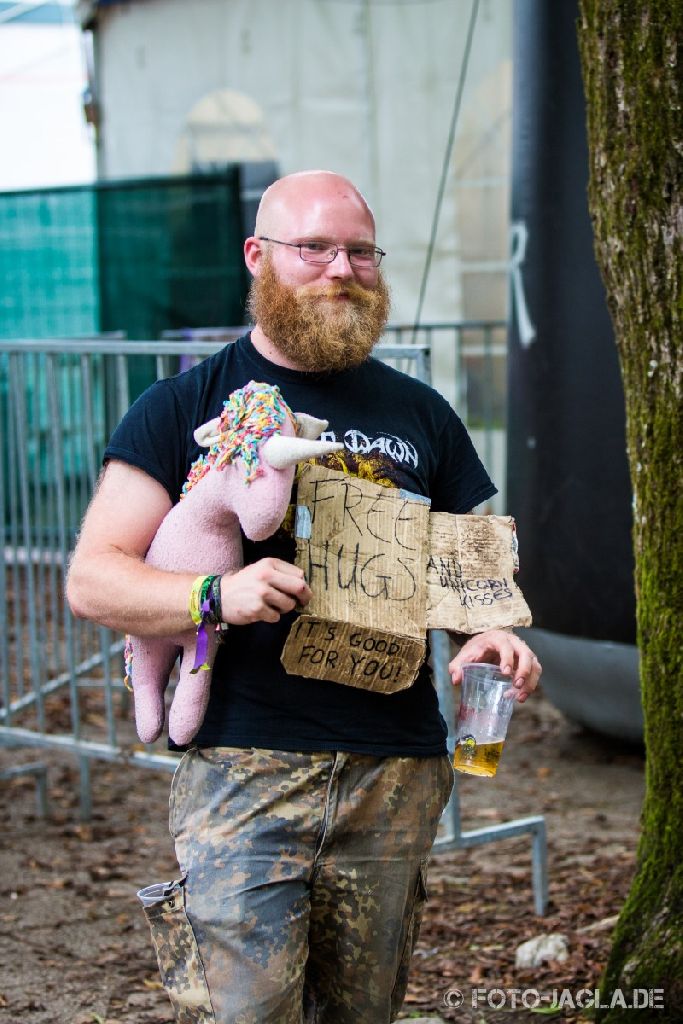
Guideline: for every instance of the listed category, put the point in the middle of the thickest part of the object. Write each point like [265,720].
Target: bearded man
[304,811]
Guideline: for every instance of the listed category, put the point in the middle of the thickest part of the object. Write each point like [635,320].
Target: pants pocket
[412,932]
[180,964]
[178,791]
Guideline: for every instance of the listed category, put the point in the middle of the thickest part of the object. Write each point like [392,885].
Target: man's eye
[360,252]
[317,247]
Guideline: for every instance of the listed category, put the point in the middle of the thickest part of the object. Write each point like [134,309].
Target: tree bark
[632,69]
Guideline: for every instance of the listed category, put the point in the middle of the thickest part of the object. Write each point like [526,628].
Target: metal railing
[61,678]
[451,835]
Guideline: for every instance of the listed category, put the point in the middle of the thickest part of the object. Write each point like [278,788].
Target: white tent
[365,87]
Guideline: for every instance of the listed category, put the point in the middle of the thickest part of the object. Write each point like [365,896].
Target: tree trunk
[632,69]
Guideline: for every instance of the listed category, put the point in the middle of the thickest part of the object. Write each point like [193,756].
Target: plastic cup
[487,698]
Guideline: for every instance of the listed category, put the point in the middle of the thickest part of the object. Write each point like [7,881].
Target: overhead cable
[446,162]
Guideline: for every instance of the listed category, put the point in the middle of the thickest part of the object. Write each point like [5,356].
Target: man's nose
[340,266]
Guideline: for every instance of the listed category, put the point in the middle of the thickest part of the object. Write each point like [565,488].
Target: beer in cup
[486,701]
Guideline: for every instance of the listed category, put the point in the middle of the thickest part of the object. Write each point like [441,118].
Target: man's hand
[263,591]
[498,647]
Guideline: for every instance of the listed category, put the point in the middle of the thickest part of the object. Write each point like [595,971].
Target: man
[304,812]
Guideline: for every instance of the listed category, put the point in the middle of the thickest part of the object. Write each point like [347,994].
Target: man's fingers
[508,651]
[495,648]
[263,591]
[283,576]
[288,568]
[524,665]
[531,683]
[296,586]
[280,600]
[528,673]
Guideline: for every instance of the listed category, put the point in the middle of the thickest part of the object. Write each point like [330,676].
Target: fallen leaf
[152,983]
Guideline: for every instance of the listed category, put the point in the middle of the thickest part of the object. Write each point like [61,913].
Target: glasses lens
[362,256]
[326,252]
[318,252]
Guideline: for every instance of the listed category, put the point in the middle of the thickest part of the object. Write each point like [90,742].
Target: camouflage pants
[303,881]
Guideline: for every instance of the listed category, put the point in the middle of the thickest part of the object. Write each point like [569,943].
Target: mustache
[334,290]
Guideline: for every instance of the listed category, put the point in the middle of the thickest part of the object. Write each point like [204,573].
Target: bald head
[312,314]
[290,204]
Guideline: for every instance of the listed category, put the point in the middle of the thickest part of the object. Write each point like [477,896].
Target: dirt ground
[74,945]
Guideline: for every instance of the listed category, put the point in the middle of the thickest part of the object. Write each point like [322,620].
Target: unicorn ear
[208,433]
[309,427]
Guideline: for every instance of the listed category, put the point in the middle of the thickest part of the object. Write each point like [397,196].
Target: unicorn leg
[191,693]
[153,659]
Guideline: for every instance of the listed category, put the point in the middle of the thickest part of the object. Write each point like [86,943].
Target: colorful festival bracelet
[216,614]
[203,612]
[195,599]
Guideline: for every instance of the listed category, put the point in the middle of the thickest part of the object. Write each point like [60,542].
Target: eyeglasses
[326,252]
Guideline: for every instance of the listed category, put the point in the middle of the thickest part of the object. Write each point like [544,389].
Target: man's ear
[253,253]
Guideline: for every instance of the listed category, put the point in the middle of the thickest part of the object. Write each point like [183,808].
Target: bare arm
[110,582]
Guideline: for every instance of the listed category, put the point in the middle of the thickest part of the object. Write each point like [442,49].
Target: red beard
[312,326]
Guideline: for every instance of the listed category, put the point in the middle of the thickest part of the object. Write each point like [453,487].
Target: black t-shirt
[397,432]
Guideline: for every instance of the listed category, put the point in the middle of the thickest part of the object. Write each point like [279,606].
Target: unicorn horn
[280,452]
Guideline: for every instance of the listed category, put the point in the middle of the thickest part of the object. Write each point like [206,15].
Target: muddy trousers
[303,882]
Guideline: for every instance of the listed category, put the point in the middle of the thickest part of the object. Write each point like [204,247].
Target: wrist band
[199,609]
[205,609]
[195,599]
[214,596]
[217,608]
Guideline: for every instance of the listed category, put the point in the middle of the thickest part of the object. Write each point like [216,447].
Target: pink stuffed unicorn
[202,534]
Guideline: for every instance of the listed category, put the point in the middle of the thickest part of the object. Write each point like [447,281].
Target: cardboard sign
[351,654]
[383,571]
[362,548]
[470,569]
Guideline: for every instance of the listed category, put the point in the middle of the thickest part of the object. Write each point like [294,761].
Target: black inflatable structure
[567,483]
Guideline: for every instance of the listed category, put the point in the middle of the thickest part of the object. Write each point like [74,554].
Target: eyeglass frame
[379,253]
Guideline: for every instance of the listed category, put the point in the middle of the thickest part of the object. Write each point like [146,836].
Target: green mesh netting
[170,254]
[139,257]
[48,263]
[136,257]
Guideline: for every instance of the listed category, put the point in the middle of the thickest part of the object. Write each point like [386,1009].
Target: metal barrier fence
[61,678]
[478,356]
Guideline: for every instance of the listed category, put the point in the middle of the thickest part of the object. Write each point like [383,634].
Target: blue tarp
[44,14]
